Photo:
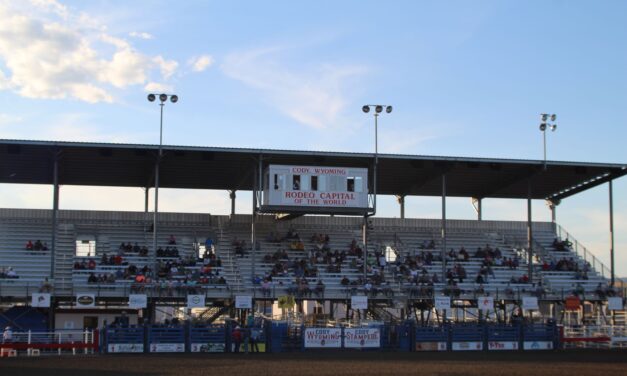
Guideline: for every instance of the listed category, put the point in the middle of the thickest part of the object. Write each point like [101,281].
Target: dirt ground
[569,363]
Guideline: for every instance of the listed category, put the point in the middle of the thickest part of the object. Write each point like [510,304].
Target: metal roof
[132,165]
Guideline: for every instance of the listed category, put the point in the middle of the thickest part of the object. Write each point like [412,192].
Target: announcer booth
[315,189]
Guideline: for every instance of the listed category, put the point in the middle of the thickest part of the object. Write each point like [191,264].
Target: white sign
[317,186]
[537,345]
[530,303]
[195,301]
[442,302]
[85,300]
[430,346]
[485,303]
[359,302]
[207,347]
[467,346]
[614,303]
[125,348]
[362,338]
[502,345]
[167,347]
[243,301]
[137,301]
[40,300]
[323,338]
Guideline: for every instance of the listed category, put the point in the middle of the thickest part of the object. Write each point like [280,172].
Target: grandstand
[409,262]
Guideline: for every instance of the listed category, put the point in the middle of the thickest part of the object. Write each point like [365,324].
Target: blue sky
[466,78]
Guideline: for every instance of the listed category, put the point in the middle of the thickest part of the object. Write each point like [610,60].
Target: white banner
[485,303]
[614,303]
[467,346]
[430,346]
[359,302]
[442,302]
[243,301]
[537,345]
[362,338]
[323,338]
[85,300]
[167,347]
[137,301]
[126,348]
[502,345]
[195,301]
[207,347]
[530,303]
[40,300]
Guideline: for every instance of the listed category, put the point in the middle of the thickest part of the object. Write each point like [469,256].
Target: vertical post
[156,212]
[376,158]
[252,233]
[544,137]
[146,198]
[529,234]
[479,209]
[364,234]
[55,211]
[401,203]
[611,192]
[443,234]
[232,197]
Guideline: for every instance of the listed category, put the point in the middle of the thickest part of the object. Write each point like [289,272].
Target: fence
[58,342]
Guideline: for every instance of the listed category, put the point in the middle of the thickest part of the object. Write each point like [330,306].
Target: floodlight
[365,109]
[543,127]
[545,117]
[553,117]
[553,127]
[388,109]
[151,97]
[174,98]
[378,109]
[163,97]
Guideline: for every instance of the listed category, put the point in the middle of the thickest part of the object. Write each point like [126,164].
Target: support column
[529,235]
[401,201]
[443,234]
[55,212]
[611,192]
[232,197]
[153,258]
[364,254]
[476,203]
[253,237]
[146,198]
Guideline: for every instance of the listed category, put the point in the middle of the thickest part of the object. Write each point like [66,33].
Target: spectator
[254,339]
[236,338]
[38,245]
[172,240]
[29,246]
[7,335]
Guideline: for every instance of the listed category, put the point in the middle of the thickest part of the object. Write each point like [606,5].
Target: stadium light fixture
[543,127]
[163,98]
[378,108]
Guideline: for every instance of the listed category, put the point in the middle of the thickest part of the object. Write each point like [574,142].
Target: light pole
[548,121]
[378,108]
[163,98]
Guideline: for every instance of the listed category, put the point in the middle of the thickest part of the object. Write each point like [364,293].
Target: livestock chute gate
[315,189]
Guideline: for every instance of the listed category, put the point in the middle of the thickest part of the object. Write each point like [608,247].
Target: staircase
[64,259]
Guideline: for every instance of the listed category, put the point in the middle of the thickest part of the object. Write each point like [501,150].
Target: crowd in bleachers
[8,272]
[38,245]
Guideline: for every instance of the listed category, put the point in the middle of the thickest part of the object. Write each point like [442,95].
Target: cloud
[52,52]
[140,35]
[201,63]
[156,87]
[314,97]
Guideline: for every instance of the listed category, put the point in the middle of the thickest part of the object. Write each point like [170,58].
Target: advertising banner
[467,346]
[485,303]
[167,347]
[502,345]
[137,301]
[85,300]
[125,348]
[613,303]
[243,301]
[323,338]
[430,346]
[362,338]
[529,303]
[442,302]
[40,300]
[537,345]
[207,347]
[359,302]
[195,301]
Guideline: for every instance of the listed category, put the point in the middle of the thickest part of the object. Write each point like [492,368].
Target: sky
[465,78]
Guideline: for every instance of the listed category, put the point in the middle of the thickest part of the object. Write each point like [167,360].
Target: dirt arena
[569,363]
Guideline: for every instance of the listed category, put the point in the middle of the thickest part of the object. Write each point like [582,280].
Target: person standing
[236,337]
[7,335]
[254,339]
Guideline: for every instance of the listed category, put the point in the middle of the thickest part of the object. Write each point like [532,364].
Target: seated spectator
[345,281]
[29,245]
[92,278]
[319,288]
[44,246]
[38,245]
[45,286]
[172,240]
